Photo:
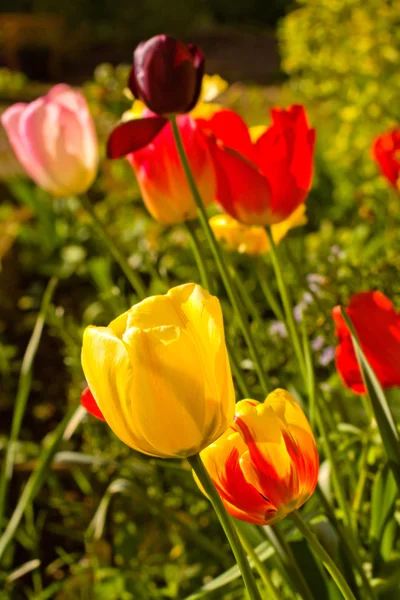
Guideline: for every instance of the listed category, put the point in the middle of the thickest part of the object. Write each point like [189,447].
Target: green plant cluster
[342,58]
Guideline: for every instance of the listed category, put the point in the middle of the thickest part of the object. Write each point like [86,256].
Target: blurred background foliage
[149,533]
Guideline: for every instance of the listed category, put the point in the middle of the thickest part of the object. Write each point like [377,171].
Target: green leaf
[380,405]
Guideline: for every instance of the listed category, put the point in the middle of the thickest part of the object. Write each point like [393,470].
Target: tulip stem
[322,554]
[198,254]
[227,524]
[205,280]
[218,257]
[283,291]
[269,296]
[132,276]
[272,593]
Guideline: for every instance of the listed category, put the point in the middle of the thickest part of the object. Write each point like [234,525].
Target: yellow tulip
[252,239]
[160,373]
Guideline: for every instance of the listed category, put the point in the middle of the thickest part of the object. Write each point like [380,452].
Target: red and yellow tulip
[266,464]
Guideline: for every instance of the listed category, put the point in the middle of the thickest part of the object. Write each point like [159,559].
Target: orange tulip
[266,464]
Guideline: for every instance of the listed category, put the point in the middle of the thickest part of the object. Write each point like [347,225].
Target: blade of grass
[24,388]
[35,481]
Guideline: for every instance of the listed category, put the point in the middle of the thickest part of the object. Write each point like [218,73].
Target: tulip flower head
[252,239]
[55,141]
[266,464]
[386,152]
[160,176]
[377,325]
[261,182]
[160,375]
[166,76]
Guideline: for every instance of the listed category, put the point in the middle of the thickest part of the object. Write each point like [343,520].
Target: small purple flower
[278,328]
[317,343]
[327,356]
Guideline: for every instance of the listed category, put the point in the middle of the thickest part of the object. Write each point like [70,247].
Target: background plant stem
[132,276]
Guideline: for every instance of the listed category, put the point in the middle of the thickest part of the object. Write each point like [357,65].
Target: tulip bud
[160,374]
[55,140]
[266,464]
[167,75]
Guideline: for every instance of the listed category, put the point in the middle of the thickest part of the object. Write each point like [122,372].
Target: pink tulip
[55,140]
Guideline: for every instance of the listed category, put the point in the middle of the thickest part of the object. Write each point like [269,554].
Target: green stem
[205,280]
[322,555]
[352,553]
[132,276]
[260,566]
[291,326]
[269,296]
[336,477]
[24,387]
[218,257]
[198,254]
[227,525]
[288,561]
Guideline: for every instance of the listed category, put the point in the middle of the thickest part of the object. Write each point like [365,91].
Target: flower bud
[55,140]
[167,75]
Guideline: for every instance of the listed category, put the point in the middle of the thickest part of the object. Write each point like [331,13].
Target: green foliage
[342,57]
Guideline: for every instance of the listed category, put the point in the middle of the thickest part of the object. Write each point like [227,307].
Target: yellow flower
[266,464]
[160,373]
[251,239]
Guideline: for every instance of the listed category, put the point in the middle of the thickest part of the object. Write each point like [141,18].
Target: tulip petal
[88,401]
[162,181]
[171,379]
[230,129]
[108,372]
[378,328]
[241,189]
[222,461]
[22,146]
[132,135]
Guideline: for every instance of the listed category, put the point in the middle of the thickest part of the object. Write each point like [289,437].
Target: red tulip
[163,184]
[262,182]
[386,151]
[88,401]
[378,328]
[166,75]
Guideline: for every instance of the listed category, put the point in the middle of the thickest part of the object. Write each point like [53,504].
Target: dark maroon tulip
[166,75]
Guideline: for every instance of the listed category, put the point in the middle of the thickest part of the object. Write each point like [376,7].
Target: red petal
[133,135]
[229,128]
[285,155]
[88,401]
[386,151]
[241,189]
[378,327]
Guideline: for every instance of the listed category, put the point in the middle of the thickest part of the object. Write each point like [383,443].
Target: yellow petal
[296,219]
[167,395]
[108,372]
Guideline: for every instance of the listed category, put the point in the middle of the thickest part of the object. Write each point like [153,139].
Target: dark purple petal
[199,65]
[133,135]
